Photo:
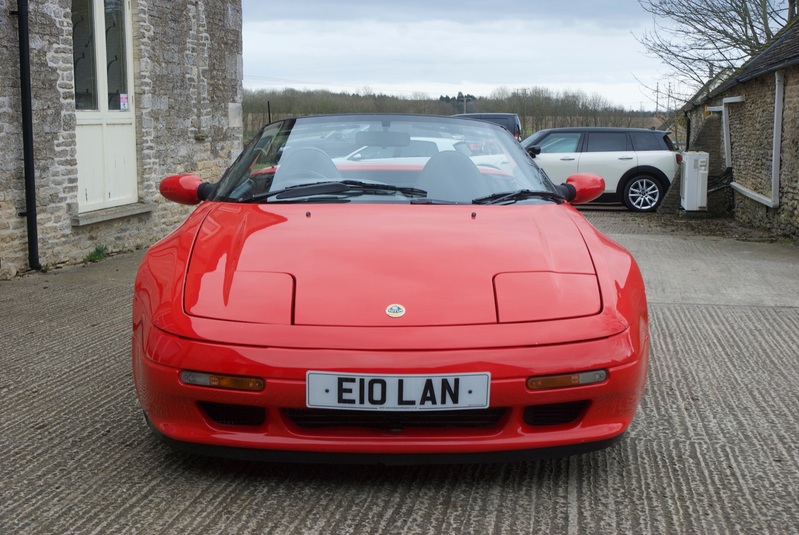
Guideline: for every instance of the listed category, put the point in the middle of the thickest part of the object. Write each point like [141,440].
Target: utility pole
[464,99]
[657,99]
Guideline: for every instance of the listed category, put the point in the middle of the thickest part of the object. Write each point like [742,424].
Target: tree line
[537,107]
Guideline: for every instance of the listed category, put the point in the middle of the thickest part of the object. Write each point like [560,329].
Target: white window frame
[106,139]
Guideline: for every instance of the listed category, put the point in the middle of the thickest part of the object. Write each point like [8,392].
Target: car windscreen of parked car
[394,158]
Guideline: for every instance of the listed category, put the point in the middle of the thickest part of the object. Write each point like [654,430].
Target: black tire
[643,193]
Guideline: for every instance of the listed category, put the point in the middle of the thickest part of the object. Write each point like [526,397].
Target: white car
[638,165]
[418,147]
[425,147]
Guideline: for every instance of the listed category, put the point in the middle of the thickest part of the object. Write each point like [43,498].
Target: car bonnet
[390,265]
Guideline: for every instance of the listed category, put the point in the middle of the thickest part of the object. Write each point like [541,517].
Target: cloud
[609,12]
[391,51]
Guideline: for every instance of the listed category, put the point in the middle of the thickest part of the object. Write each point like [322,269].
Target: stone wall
[786,220]
[751,127]
[11,225]
[187,86]
[707,136]
[751,139]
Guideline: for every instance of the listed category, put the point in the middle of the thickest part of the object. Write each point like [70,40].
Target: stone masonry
[187,89]
[751,135]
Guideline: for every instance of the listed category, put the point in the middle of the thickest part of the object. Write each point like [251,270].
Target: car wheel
[643,194]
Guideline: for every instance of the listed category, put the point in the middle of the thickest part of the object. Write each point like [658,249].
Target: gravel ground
[612,219]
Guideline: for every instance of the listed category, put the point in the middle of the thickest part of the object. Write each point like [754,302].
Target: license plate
[397,392]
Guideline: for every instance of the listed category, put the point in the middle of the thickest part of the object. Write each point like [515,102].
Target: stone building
[750,126]
[122,93]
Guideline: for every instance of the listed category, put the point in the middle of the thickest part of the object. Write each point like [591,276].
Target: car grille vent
[555,413]
[226,414]
[394,421]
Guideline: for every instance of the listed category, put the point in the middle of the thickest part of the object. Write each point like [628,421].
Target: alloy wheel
[643,194]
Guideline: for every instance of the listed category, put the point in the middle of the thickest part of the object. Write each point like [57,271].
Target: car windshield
[382,158]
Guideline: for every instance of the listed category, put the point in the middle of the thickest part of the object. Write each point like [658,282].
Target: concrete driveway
[713,448]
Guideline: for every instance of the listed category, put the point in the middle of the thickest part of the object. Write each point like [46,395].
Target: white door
[609,155]
[105,130]
[559,156]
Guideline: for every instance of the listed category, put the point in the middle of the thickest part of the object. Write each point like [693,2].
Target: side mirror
[185,189]
[534,150]
[585,186]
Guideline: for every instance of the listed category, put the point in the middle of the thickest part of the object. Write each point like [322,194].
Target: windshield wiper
[508,197]
[428,200]
[369,187]
[335,187]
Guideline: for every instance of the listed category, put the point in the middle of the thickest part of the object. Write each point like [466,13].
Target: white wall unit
[693,181]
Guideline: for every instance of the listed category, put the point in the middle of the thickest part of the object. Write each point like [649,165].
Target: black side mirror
[534,150]
[567,191]
[205,191]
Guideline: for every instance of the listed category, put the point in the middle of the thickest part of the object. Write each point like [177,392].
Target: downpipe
[27,134]
[687,132]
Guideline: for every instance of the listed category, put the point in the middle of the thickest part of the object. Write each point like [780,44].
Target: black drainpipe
[687,131]
[27,134]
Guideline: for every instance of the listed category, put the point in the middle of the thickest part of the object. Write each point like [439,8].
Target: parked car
[481,152]
[638,165]
[424,147]
[509,121]
[419,309]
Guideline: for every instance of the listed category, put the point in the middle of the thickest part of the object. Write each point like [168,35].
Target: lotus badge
[395,311]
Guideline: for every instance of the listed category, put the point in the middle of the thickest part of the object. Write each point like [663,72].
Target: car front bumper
[275,424]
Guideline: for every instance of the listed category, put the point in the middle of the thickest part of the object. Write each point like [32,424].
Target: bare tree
[698,39]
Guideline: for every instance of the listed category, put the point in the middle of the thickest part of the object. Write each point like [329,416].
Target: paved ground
[713,448]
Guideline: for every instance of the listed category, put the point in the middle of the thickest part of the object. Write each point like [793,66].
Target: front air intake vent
[555,413]
[324,418]
[226,414]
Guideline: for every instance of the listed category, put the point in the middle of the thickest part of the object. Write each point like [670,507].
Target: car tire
[643,193]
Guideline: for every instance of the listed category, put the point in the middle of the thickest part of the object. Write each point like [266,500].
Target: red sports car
[432,306]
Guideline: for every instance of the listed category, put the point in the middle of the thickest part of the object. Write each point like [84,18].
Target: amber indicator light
[564,381]
[228,382]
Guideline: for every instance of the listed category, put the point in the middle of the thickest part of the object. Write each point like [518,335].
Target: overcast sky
[435,47]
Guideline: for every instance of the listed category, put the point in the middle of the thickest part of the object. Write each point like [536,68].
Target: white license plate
[353,391]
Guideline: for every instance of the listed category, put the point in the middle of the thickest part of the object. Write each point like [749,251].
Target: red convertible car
[441,306]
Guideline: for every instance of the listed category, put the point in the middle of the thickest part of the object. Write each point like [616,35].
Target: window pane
[646,141]
[115,55]
[83,59]
[562,142]
[607,142]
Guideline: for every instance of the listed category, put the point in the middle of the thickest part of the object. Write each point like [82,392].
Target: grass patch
[100,253]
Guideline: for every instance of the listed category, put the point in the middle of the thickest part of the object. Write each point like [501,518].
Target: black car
[510,121]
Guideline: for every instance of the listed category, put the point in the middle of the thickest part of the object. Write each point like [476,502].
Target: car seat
[304,166]
[452,176]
